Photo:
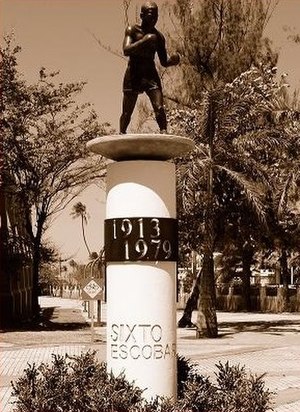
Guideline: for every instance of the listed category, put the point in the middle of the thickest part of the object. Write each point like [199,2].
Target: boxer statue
[140,44]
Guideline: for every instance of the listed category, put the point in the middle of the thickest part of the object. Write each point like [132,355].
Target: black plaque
[141,239]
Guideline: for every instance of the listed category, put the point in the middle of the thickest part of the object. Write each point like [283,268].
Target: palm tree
[79,210]
[252,160]
[221,174]
[285,193]
[216,46]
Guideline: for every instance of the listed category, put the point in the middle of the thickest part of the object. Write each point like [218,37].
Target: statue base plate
[141,146]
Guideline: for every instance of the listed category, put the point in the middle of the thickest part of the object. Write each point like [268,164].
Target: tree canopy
[218,40]
[227,94]
[44,134]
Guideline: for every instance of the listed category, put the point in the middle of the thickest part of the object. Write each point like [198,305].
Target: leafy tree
[221,175]
[262,150]
[283,164]
[218,40]
[44,135]
[73,264]
[240,111]
[48,277]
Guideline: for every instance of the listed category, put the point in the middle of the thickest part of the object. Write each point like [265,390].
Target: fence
[269,298]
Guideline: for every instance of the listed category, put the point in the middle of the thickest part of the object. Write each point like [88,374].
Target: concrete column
[140,254]
[141,295]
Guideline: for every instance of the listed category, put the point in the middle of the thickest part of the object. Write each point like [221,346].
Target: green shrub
[74,384]
[233,391]
[185,370]
[81,384]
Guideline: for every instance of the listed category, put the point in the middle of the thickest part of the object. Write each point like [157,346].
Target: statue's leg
[156,98]
[129,101]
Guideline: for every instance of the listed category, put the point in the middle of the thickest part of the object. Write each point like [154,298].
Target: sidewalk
[264,343]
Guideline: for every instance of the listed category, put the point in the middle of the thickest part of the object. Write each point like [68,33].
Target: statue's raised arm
[140,44]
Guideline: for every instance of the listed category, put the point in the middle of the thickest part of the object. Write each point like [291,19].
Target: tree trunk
[207,325]
[35,243]
[247,256]
[35,281]
[84,238]
[284,306]
[284,267]
[191,305]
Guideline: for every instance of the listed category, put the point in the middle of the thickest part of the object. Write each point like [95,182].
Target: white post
[92,308]
[141,295]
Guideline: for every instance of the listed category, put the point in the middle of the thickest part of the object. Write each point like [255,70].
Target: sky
[60,35]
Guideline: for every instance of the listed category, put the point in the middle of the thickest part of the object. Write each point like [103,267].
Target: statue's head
[149,13]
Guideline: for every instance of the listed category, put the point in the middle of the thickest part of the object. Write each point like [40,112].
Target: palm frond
[253,192]
[283,195]
[201,150]
[287,191]
[242,162]
[261,139]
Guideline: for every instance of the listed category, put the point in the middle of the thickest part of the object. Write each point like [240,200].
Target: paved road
[264,343]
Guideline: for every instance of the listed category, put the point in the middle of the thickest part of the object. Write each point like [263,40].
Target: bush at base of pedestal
[81,384]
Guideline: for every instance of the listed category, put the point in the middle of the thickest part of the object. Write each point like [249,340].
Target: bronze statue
[140,44]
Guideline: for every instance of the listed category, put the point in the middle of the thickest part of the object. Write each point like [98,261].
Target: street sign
[92,289]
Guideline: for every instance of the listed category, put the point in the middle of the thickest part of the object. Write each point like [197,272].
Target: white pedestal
[141,284]
[141,296]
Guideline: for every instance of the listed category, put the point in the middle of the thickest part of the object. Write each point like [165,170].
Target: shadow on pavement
[277,327]
[53,319]
[227,329]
